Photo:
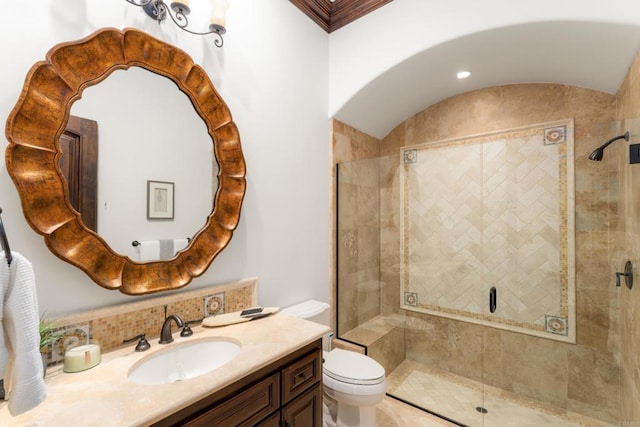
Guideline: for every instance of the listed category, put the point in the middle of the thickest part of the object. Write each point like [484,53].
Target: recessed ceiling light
[463,74]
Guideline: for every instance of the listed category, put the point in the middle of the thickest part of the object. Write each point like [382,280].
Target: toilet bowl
[352,383]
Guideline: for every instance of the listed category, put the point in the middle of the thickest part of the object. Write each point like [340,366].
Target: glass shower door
[414,349]
[441,276]
[570,375]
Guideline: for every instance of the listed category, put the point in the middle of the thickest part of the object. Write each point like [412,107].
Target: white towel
[149,250]
[20,335]
[179,244]
[169,248]
[166,249]
[153,250]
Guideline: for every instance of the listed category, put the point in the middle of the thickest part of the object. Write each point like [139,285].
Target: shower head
[598,153]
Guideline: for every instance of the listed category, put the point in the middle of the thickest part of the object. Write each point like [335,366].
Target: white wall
[130,126]
[273,74]
[368,47]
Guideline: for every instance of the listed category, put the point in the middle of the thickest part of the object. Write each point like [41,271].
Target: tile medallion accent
[411,298]
[213,304]
[556,325]
[555,135]
[410,156]
[68,337]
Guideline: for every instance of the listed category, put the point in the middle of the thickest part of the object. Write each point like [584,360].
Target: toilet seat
[352,368]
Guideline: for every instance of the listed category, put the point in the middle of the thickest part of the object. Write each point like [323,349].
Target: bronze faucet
[165,333]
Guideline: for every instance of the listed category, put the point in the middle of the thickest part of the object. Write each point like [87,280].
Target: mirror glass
[148,130]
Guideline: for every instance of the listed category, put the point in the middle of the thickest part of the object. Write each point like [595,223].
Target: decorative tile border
[110,326]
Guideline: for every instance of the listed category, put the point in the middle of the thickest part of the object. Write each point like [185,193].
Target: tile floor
[457,398]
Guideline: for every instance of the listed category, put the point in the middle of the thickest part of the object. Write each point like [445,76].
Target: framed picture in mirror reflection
[160,200]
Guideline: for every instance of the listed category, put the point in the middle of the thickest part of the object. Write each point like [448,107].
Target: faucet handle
[143,344]
[186,331]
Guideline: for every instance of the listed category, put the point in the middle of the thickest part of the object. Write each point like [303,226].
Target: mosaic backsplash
[491,212]
[109,327]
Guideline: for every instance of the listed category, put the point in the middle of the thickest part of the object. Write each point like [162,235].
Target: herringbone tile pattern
[485,215]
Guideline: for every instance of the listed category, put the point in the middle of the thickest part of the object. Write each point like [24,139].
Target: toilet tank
[312,310]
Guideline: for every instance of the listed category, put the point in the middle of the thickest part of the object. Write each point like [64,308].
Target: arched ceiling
[594,55]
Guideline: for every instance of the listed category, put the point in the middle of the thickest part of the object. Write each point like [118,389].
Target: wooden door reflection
[79,165]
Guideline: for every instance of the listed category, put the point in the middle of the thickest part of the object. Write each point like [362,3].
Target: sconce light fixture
[179,10]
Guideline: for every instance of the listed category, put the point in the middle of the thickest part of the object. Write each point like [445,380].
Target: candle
[81,358]
[219,12]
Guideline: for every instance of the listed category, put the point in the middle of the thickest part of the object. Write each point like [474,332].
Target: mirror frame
[40,117]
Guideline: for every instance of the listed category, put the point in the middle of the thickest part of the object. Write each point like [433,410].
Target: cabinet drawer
[246,408]
[300,375]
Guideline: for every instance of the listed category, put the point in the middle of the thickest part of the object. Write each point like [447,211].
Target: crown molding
[333,15]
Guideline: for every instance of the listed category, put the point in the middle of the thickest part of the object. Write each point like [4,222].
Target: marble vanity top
[103,396]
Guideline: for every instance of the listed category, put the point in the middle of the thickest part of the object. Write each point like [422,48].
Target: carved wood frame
[41,115]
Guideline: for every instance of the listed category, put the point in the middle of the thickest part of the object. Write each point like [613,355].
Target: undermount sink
[183,361]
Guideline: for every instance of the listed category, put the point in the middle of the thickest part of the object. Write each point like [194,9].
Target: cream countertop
[103,396]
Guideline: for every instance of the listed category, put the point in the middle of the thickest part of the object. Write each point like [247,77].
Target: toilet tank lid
[306,309]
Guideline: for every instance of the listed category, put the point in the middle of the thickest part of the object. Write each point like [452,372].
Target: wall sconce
[178,11]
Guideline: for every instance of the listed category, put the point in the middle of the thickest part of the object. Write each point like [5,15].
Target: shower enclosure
[456,270]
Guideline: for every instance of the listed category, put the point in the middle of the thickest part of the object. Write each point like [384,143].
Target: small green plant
[47,332]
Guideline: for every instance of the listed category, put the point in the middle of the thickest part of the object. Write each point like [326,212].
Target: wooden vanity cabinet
[286,393]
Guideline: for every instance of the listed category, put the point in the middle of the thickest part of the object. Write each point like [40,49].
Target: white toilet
[353,383]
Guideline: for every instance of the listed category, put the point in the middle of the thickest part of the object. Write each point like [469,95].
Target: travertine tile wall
[585,377]
[358,242]
[626,245]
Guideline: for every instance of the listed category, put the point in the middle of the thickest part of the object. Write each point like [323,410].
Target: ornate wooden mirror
[40,117]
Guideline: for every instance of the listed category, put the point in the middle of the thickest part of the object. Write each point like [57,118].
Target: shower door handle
[493,299]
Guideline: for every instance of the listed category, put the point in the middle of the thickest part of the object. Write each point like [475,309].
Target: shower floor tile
[457,398]
[393,413]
